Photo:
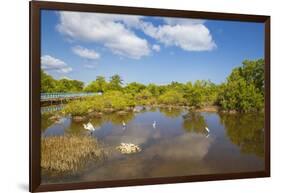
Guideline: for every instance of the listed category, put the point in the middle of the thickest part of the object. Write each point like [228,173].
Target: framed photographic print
[123,96]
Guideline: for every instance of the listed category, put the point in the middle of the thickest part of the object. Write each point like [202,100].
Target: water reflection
[177,146]
[194,122]
[46,121]
[167,157]
[52,108]
[171,112]
[59,127]
[189,146]
[114,118]
[246,131]
[75,129]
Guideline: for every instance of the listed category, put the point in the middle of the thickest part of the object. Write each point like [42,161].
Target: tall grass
[68,153]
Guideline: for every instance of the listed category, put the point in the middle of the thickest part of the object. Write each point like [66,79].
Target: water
[179,145]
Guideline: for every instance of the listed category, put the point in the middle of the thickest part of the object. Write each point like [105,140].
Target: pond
[177,145]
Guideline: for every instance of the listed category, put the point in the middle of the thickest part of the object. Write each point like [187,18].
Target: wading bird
[124,125]
[206,128]
[154,124]
[89,127]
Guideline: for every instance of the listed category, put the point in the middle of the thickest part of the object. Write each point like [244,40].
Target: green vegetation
[172,97]
[49,84]
[108,102]
[243,91]
[72,152]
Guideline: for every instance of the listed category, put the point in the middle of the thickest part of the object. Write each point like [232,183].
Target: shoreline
[140,108]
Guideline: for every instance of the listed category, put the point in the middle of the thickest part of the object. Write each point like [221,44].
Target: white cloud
[117,33]
[188,35]
[85,53]
[50,63]
[156,47]
[113,31]
[182,21]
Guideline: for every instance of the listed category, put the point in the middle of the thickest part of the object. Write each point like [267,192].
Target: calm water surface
[178,146]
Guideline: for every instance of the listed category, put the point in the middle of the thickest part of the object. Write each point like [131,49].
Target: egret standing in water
[124,125]
[208,132]
[154,124]
[89,127]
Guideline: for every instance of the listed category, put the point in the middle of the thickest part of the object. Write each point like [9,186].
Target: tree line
[242,91]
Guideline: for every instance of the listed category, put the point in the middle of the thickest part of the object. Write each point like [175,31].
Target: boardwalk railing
[63,96]
[52,108]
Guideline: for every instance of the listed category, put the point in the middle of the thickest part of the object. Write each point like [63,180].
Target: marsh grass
[69,153]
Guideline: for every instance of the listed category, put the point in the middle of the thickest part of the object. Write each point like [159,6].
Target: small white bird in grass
[89,127]
[154,124]
[206,128]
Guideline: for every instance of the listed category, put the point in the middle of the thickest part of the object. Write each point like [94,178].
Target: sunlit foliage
[243,91]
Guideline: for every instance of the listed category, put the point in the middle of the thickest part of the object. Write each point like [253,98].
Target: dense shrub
[244,89]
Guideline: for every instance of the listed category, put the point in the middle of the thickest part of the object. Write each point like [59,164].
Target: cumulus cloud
[118,33]
[189,35]
[85,53]
[113,31]
[156,47]
[51,63]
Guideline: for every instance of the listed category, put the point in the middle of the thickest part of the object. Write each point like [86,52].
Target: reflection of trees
[194,122]
[97,122]
[46,121]
[246,131]
[171,112]
[151,109]
[112,117]
[75,129]
[118,119]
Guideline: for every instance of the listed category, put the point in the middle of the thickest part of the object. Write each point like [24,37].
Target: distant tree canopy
[49,84]
[243,90]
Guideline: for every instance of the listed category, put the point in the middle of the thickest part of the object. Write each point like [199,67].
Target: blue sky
[145,49]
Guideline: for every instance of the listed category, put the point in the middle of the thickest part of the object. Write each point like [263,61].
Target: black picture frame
[34,99]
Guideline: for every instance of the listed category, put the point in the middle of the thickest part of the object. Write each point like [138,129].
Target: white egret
[89,127]
[154,124]
[206,128]
[124,125]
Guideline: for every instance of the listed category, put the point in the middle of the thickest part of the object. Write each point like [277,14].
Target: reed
[68,153]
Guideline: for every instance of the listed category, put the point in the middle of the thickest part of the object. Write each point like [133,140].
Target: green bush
[171,97]
[242,91]
[77,108]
